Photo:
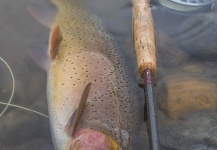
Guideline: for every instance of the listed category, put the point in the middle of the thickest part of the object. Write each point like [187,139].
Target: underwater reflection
[186,81]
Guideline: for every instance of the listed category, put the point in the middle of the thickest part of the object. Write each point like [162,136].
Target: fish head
[87,139]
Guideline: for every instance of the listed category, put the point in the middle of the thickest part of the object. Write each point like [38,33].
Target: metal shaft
[152,123]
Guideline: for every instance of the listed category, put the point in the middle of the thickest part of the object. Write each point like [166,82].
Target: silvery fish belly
[91,91]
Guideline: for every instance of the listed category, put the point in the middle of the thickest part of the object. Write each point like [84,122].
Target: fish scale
[87,54]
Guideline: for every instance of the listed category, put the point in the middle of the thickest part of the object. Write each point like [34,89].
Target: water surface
[186,81]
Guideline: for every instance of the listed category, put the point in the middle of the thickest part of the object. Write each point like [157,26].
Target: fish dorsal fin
[55,39]
[44,14]
[77,114]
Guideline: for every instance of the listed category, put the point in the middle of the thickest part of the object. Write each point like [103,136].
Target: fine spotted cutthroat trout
[92,94]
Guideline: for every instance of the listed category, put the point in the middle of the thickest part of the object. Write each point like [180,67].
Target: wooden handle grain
[144,40]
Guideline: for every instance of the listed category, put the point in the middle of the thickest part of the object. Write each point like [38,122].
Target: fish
[92,92]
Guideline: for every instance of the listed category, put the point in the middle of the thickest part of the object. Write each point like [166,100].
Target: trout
[92,94]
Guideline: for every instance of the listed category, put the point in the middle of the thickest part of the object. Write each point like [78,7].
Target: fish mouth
[87,139]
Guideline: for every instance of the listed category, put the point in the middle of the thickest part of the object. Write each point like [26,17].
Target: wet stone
[181,95]
[36,144]
[18,126]
[197,36]
[168,55]
[195,132]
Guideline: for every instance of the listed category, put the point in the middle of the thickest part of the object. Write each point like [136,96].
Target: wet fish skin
[88,54]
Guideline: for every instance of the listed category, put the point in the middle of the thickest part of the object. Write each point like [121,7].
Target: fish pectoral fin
[54,41]
[39,55]
[69,125]
[44,14]
[77,114]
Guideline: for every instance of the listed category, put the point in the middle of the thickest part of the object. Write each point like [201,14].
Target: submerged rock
[186,91]
[168,55]
[36,144]
[196,132]
[19,126]
[184,85]
[197,36]
[181,95]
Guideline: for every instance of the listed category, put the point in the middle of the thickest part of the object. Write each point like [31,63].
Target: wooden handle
[144,40]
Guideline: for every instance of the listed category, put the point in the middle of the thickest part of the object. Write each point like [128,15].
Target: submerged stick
[144,42]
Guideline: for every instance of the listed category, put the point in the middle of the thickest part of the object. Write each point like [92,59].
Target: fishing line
[12,94]
[25,109]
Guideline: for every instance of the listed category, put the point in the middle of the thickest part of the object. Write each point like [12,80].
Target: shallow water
[185,91]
